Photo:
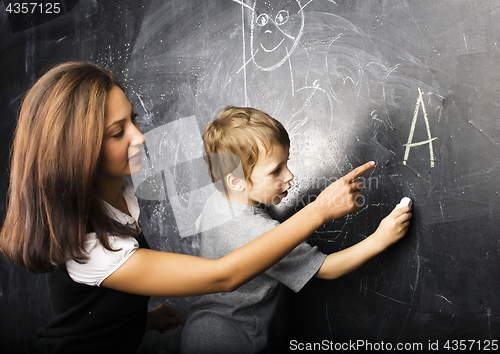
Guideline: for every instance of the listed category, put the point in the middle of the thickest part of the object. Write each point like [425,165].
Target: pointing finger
[358,171]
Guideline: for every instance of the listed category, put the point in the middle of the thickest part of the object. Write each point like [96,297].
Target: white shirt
[101,262]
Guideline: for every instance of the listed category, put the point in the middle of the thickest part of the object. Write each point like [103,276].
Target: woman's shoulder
[101,261]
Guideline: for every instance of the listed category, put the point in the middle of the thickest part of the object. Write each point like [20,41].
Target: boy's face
[270,178]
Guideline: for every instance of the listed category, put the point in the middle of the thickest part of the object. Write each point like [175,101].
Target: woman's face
[121,151]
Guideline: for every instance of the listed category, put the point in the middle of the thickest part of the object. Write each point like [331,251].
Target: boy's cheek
[278,182]
[253,195]
[272,183]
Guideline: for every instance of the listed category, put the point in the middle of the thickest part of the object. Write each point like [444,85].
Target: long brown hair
[53,199]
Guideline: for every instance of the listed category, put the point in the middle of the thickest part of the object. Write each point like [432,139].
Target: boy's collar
[258,205]
[237,206]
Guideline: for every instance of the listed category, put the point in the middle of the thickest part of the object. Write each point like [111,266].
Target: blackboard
[413,85]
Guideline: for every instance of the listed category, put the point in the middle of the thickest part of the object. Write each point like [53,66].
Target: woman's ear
[234,183]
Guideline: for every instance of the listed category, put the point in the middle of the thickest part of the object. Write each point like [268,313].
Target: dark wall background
[350,81]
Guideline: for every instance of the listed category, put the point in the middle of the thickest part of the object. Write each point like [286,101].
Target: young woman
[71,213]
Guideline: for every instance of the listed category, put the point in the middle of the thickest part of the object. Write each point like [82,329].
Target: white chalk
[405,202]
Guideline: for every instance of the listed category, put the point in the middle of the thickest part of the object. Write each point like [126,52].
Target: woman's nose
[137,138]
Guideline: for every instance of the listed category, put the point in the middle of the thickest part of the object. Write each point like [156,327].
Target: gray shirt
[238,322]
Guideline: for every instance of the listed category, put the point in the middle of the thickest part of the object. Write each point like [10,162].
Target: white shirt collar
[132,205]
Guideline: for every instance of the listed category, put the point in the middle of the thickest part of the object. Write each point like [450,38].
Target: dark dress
[91,319]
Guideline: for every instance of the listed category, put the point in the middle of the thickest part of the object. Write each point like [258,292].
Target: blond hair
[237,135]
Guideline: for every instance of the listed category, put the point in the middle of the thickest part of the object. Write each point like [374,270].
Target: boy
[238,322]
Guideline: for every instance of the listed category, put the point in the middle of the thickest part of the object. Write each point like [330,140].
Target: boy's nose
[289,176]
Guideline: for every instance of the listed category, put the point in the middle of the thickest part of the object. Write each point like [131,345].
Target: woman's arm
[155,273]
[390,230]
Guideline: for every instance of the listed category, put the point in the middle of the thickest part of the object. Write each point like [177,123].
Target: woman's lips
[136,157]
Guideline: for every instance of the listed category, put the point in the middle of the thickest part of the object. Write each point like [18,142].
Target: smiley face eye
[262,20]
[281,17]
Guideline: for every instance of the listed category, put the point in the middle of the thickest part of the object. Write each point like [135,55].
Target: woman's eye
[118,135]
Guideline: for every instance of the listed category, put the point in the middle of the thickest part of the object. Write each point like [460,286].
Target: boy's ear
[234,183]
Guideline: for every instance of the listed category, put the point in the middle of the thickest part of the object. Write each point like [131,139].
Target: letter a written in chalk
[410,143]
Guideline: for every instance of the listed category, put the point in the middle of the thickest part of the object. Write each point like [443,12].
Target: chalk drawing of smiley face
[274,33]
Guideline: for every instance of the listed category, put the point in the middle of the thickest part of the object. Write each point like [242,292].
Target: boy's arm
[390,230]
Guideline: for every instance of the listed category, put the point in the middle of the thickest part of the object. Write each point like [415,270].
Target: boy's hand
[343,196]
[390,230]
[163,318]
[394,226]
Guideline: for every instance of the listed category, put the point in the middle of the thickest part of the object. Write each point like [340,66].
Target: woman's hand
[164,318]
